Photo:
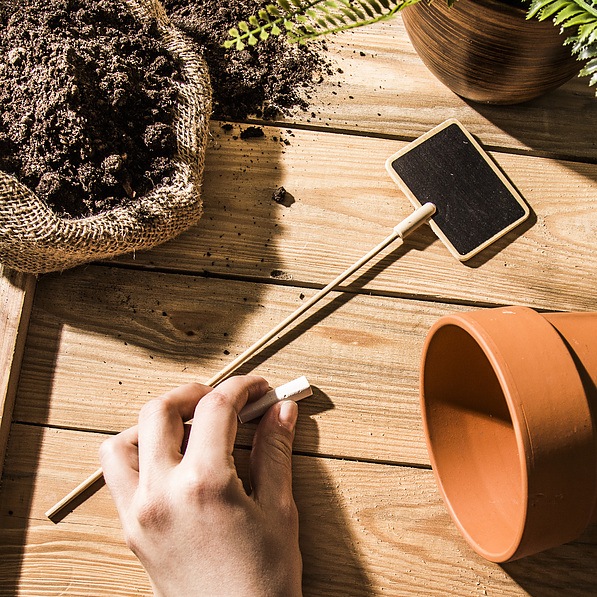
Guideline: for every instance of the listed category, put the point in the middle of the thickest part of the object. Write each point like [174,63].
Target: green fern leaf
[303,20]
[588,33]
[376,7]
[567,13]
[543,9]
[365,6]
[579,17]
[578,20]
[590,68]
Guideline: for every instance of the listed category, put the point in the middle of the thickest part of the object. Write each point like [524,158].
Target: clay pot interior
[475,446]
[487,51]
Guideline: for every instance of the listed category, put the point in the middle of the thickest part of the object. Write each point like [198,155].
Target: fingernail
[288,414]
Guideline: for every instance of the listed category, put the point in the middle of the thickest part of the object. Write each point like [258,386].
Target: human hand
[188,517]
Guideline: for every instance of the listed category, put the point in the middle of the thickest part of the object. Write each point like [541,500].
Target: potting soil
[266,80]
[87,93]
[86,102]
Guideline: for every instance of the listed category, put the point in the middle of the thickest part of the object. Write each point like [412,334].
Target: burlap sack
[33,239]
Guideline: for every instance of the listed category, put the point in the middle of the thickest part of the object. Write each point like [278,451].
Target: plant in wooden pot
[494,51]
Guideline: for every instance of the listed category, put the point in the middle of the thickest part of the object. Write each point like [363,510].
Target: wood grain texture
[103,341]
[384,89]
[16,299]
[345,203]
[367,529]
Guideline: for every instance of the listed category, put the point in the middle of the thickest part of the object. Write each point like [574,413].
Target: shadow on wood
[332,561]
[566,570]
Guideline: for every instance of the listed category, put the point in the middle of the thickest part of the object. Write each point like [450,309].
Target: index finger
[215,422]
[120,462]
[161,428]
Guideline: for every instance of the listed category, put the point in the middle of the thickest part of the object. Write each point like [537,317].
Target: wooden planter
[487,51]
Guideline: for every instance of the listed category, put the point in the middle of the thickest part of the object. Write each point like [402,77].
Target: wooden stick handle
[408,225]
[75,493]
[401,231]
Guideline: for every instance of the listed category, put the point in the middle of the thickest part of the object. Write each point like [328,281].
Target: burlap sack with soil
[33,239]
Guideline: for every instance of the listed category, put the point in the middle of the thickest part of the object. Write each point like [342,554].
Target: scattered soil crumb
[252,132]
[280,274]
[283,197]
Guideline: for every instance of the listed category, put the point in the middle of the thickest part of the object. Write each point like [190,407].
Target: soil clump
[267,80]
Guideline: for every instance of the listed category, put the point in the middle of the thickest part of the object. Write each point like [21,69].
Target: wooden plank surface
[384,89]
[365,529]
[102,341]
[345,203]
[104,338]
[16,299]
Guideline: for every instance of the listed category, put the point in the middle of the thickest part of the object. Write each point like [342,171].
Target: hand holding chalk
[194,527]
[293,390]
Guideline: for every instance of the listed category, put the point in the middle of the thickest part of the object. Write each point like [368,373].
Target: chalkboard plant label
[475,203]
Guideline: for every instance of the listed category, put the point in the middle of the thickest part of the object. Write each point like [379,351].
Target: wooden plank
[345,203]
[366,529]
[385,89]
[16,297]
[102,341]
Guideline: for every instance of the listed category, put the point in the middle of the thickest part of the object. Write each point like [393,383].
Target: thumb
[271,457]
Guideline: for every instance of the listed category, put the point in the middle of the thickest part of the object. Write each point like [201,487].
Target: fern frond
[579,18]
[303,20]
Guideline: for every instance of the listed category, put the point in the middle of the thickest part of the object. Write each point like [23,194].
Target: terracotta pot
[487,51]
[509,404]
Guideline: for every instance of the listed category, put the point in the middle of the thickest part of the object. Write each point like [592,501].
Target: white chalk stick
[297,389]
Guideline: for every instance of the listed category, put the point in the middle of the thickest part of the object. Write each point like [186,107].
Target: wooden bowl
[487,51]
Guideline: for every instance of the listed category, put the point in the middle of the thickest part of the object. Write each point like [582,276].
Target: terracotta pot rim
[531,421]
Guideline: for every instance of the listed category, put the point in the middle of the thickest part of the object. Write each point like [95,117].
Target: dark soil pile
[87,93]
[86,103]
[266,80]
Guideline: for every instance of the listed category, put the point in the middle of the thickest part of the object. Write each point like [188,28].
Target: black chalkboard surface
[475,202]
